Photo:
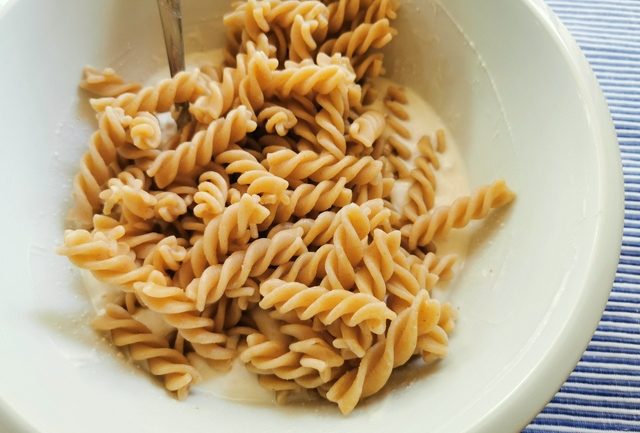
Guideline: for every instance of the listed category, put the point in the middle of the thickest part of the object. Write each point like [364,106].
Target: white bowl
[522,104]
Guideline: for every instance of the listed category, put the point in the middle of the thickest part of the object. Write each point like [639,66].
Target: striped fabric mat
[603,392]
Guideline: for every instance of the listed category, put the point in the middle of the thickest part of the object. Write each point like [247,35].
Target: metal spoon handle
[171,18]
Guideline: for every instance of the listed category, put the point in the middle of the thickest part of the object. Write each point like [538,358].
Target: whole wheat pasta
[143,345]
[459,214]
[308,164]
[367,128]
[184,87]
[267,229]
[106,82]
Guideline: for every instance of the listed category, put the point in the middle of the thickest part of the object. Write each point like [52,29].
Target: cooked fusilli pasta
[145,346]
[105,82]
[268,227]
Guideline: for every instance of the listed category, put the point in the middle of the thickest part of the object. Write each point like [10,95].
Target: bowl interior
[514,96]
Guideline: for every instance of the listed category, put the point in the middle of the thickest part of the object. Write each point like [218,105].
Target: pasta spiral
[307,198]
[203,146]
[401,341]
[361,39]
[320,230]
[167,254]
[106,82]
[318,167]
[238,222]
[442,219]
[144,346]
[330,121]
[178,311]
[107,259]
[239,266]
[353,342]
[291,352]
[367,128]
[219,97]
[253,174]
[421,195]
[302,78]
[183,87]
[327,305]
[211,196]
[349,240]
[377,263]
[277,119]
[98,165]
[145,131]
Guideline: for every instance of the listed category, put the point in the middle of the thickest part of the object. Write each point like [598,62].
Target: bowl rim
[518,408]
[528,398]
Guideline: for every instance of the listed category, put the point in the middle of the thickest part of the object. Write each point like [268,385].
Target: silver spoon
[171,18]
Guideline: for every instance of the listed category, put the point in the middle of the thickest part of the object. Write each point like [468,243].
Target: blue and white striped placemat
[603,392]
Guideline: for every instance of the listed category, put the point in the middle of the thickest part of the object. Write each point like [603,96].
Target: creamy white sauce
[237,383]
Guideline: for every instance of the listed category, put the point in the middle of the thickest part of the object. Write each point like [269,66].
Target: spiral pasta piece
[319,231]
[107,259]
[178,311]
[291,352]
[368,66]
[303,43]
[381,189]
[306,268]
[211,196]
[98,165]
[302,78]
[327,305]
[128,192]
[204,145]
[259,17]
[219,97]
[271,188]
[349,240]
[183,87]
[144,130]
[238,222]
[421,195]
[144,346]
[170,205]
[353,342]
[256,70]
[431,269]
[342,12]
[367,128]
[307,198]
[277,120]
[239,266]
[330,120]
[106,82]
[407,333]
[167,254]
[444,218]
[358,41]
[378,263]
[297,166]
